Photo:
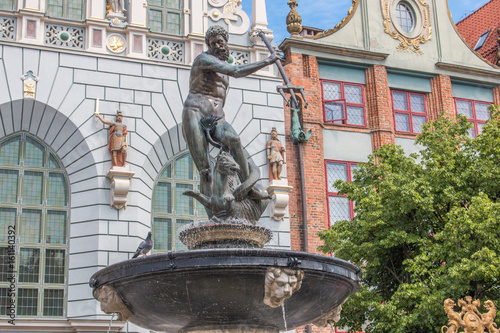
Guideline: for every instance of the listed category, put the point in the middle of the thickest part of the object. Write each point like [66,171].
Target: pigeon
[145,246]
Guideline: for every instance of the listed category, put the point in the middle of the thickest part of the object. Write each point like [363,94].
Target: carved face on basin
[281,283]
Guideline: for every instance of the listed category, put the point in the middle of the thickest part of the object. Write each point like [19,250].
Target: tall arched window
[172,210]
[34,210]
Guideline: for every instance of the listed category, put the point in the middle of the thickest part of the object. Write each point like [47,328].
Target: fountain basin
[223,289]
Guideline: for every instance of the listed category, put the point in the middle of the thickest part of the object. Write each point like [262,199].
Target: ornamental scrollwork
[470,319]
[421,33]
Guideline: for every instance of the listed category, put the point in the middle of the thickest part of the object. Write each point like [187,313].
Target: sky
[333,12]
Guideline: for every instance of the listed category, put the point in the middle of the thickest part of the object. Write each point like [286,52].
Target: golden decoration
[29,83]
[293,20]
[470,319]
[498,49]
[341,24]
[408,42]
[115,43]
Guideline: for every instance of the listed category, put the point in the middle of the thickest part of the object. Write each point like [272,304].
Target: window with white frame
[339,207]
[165,16]
[171,209]
[34,214]
[343,103]
[476,112]
[66,9]
[410,111]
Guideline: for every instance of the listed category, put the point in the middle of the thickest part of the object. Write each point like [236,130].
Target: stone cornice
[468,70]
[300,43]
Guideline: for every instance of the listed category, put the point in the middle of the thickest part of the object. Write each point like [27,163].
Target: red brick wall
[379,105]
[496,95]
[441,98]
[303,71]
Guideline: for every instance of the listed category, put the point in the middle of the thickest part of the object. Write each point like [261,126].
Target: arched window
[172,210]
[165,16]
[34,210]
[66,9]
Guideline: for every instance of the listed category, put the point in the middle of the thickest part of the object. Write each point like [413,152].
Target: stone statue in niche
[115,13]
[112,303]
[280,284]
[208,86]
[117,145]
[275,156]
[116,8]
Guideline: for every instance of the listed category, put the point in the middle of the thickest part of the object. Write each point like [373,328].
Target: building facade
[387,68]
[60,62]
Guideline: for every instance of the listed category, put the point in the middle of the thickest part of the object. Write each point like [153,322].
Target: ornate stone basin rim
[200,290]
[211,258]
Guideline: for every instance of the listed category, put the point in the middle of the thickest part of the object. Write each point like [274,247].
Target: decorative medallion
[30,81]
[408,21]
[116,43]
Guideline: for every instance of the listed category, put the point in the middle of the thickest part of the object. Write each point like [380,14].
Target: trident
[287,87]
[298,135]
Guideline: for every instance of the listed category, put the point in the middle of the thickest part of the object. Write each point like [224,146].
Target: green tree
[427,228]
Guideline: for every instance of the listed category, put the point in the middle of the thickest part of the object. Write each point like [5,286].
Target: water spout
[109,327]
[284,315]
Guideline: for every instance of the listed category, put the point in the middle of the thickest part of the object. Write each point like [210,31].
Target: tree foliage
[427,228]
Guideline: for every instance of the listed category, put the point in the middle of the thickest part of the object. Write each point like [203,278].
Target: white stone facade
[150,91]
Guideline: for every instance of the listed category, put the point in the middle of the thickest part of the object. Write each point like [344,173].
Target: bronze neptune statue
[208,85]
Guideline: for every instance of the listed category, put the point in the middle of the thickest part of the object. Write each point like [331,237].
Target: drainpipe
[304,205]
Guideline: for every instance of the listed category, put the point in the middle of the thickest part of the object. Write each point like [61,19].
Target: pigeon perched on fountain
[145,246]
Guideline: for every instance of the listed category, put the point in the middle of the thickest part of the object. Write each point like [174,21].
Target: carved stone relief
[232,13]
[280,284]
[112,303]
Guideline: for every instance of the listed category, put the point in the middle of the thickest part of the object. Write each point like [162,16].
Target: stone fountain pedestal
[232,233]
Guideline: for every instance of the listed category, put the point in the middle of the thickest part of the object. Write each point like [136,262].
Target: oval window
[405,16]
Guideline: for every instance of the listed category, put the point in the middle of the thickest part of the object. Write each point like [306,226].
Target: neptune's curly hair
[216,30]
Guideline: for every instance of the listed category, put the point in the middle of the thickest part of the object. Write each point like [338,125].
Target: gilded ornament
[29,80]
[342,23]
[408,42]
[293,20]
[470,319]
[115,43]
